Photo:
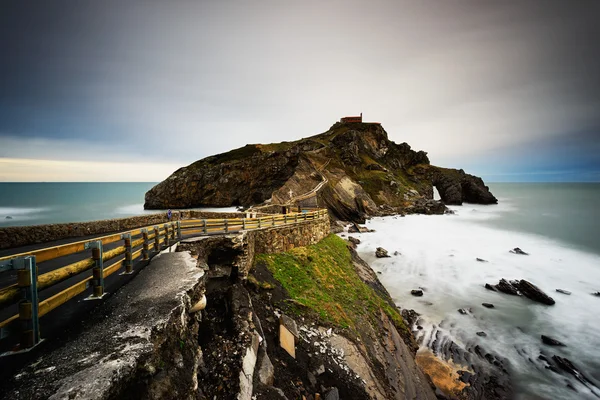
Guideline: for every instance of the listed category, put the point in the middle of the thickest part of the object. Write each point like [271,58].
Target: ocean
[55,202]
[557,224]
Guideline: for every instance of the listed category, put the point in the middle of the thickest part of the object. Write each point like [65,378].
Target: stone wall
[26,235]
[284,238]
[238,249]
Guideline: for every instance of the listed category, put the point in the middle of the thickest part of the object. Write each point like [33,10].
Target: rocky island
[330,328]
[352,169]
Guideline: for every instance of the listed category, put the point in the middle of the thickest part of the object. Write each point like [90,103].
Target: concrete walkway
[126,330]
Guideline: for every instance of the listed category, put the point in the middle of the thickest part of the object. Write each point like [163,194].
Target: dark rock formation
[489,377]
[506,287]
[410,316]
[463,311]
[490,287]
[522,287]
[566,365]
[416,292]
[481,260]
[517,250]
[531,291]
[428,207]
[482,334]
[487,305]
[597,294]
[381,253]
[352,169]
[551,342]
[457,187]
[354,241]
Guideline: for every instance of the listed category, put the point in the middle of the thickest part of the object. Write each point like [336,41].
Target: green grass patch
[323,279]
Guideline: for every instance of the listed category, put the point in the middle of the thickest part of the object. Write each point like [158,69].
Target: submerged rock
[531,291]
[597,294]
[9,217]
[566,365]
[381,253]
[487,305]
[490,287]
[463,311]
[481,260]
[563,291]
[482,334]
[416,292]
[517,250]
[551,342]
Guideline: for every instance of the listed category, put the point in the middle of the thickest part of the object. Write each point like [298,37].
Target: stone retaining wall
[26,235]
[284,238]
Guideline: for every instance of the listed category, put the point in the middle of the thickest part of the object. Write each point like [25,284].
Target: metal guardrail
[140,242]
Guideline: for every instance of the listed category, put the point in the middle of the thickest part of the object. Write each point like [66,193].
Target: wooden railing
[136,243]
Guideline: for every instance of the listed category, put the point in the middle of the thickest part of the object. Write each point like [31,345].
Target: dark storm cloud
[171,82]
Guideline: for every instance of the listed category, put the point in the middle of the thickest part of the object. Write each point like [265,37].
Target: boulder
[410,316]
[551,342]
[481,260]
[517,250]
[397,253]
[353,241]
[487,305]
[597,294]
[463,311]
[9,217]
[355,228]
[427,207]
[482,334]
[563,291]
[506,287]
[534,293]
[381,253]
[490,287]
[416,292]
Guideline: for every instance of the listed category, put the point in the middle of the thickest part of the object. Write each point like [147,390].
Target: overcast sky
[132,90]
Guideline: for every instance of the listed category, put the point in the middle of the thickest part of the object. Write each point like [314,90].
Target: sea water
[48,203]
[558,225]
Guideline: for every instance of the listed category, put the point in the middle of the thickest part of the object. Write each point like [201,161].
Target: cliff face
[353,169]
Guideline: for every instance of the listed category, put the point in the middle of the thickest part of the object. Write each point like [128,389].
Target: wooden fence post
[128,262]
[97,271]
[167,241]
[156,239]
[145,255]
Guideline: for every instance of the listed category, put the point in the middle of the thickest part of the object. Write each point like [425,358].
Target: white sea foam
[12,215]
[439,254]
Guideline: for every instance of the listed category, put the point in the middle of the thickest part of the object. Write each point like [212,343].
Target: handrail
[133,248]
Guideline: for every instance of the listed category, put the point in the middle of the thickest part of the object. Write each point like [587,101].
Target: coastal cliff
[353,169]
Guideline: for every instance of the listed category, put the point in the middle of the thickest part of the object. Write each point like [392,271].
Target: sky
[131,91]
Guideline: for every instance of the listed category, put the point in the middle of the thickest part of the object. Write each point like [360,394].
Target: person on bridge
[169,214]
